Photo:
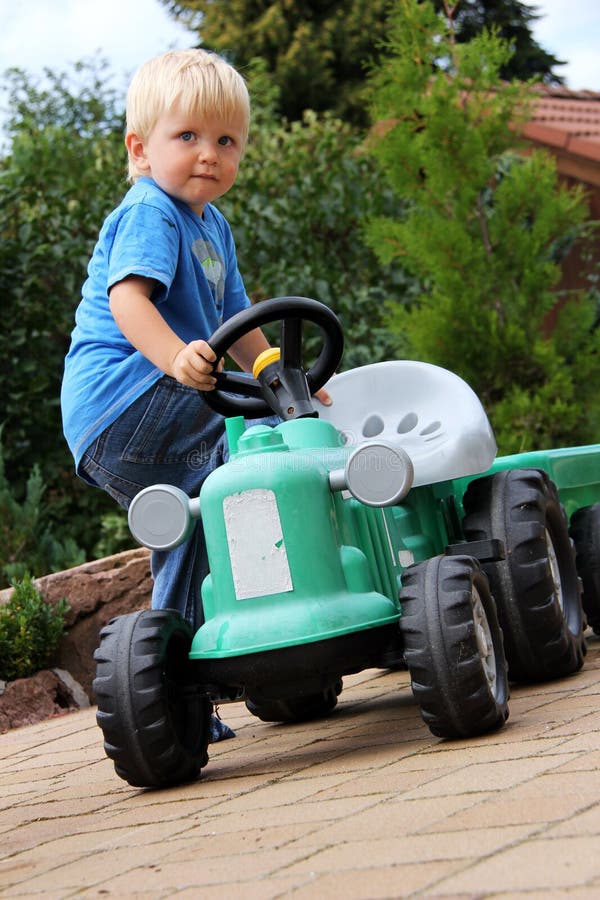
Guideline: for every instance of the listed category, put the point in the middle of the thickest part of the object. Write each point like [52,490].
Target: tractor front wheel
[155,721]
[453,647]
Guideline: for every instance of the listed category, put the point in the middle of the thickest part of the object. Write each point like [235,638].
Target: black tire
[453,647]
[536,587]
[297,709]
[156,725]
[585,531]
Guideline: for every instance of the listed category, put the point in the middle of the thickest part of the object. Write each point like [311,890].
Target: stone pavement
[366,804]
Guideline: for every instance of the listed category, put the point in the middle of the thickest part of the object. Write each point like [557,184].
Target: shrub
[115,535]
[30,630]
[28,542]
[62,168]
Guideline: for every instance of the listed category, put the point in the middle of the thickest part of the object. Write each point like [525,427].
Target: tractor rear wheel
[585,531]
[536,587]
[297,709]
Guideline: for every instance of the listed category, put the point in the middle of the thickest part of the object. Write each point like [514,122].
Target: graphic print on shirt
[214,270]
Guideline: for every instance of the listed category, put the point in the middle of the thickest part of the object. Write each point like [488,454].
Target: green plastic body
[574,470]
[293,561]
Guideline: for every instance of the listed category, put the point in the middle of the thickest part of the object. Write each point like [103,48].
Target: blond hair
[198,81]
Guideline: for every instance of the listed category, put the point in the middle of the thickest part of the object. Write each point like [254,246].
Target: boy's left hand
[323,397]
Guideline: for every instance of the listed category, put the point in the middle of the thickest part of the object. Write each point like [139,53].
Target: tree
[317,52]
[484,229]
[512,21]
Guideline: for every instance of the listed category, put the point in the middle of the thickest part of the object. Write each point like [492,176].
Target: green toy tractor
[381,532]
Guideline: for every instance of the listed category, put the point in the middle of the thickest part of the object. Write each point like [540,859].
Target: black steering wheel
[291,311]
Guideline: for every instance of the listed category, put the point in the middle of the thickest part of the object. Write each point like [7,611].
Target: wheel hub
[483,636]
[554,569]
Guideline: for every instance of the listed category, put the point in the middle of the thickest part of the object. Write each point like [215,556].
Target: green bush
[30,631]
[62,170]
[115,535]
[28,538]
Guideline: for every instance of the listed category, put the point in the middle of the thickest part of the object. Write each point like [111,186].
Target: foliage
[298,210]
[115,535]
[485,230]
[317,52]
[63,171]
[81,100]
[28,540]
[30,631]
[512,21]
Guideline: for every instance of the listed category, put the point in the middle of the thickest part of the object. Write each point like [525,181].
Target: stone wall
[96,591]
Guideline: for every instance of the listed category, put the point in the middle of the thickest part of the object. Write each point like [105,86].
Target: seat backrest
[428,411]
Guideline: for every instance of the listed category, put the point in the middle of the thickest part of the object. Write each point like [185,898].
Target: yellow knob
[273,354]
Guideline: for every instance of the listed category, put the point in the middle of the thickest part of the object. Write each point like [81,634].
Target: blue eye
[225,141]
[187,136]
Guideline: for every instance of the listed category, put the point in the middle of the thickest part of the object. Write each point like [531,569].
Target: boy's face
[193,159]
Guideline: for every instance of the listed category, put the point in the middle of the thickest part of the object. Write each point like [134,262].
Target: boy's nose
[207,153]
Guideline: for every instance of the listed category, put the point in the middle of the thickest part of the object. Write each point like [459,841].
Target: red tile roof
[568,123]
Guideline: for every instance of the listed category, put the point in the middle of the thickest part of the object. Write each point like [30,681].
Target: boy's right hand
[194,366]
[141,322]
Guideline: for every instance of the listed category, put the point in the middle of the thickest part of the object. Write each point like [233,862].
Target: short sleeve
[146,243]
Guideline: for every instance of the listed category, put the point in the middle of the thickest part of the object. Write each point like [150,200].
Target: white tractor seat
[428,411]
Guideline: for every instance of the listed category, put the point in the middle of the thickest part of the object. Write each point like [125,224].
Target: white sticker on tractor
[259,562]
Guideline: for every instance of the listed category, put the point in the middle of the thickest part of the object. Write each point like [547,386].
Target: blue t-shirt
[193,260]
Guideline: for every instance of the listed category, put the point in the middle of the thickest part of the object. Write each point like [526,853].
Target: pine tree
[484,231]
[317,51]
[512,21]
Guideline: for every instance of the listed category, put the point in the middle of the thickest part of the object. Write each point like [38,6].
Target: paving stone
[364,805]
[542,864]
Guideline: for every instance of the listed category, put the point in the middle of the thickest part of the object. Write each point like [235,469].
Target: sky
[38,34]
[54,33]
[570,29]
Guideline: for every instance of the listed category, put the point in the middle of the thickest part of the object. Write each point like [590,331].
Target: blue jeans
[168,436]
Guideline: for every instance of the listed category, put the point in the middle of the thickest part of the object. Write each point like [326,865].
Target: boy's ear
[137,151]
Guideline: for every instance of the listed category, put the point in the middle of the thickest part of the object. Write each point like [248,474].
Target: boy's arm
[191,364]
[247,348]
[144,327]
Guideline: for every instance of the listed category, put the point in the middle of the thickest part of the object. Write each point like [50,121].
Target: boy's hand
[194,365]
[323,397]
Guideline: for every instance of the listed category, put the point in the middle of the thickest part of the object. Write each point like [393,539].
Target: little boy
[162,277]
